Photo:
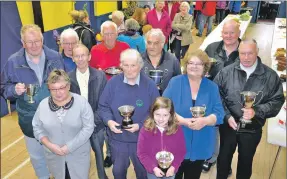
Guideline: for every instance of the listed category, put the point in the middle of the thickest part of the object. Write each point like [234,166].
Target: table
[215,35]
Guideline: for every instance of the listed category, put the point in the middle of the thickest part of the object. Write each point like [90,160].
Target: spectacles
[109,34]
[59,89]
[30,43]
[129,66]
[195,64]
[77,57]
[69,44]
[153,43]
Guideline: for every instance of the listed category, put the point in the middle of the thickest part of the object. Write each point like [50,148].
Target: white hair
[185,4]
[69,33]
[131,54]
[249,41]
[108,24]
[119,15]
[156,32]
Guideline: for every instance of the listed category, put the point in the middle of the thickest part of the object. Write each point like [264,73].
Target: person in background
[145,29]
[146,4]
[159,18]
[146,8]
[128,88]
[190,90]
[161,132]
[197,12]
[220,11]
[171,7]
[207,15]
[156,58]
[132,37]
[234,7]
[181,26]
[118,18]
[63,123]
[30,65]
[68,39]
[246,74]
[89,83]
[83,28]
[140,16]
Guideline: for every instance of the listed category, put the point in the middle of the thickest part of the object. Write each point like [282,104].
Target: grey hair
[249,41]
[132,24]
[119,15]
[30,27]
[185,4]
[108,24]
[69,33]
[128,53]
[156,32]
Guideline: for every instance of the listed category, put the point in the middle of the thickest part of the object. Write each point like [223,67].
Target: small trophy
[198,111]
[156,76]
[31,90]
[164,160]
[126,111]
[249,99]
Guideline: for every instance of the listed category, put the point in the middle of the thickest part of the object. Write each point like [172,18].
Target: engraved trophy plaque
[126,111]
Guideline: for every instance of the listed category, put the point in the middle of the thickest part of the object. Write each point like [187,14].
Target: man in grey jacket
[90,83]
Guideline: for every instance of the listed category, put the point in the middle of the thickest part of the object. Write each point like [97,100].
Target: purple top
[221,5]
[149,143]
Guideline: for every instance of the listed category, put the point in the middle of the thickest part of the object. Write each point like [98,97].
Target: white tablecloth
[215,35]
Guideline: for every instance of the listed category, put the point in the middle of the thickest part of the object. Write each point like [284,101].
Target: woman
[83,28]
[161,132]
[140,16]
[128,88]
[63,123]
[181,26]
[132,37]
[189,90]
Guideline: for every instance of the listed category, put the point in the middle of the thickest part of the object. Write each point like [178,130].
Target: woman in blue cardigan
[193,89]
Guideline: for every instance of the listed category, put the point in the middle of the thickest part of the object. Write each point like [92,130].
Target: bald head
[230,32]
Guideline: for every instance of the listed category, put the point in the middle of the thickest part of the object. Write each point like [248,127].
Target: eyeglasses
[77,57]
[153,43]
[195,64]
[109,34]
[125,66]
[59,89]
[30,43]
[69,44]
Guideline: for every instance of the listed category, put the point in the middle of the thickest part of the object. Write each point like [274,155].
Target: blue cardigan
[137,43]
[199,143]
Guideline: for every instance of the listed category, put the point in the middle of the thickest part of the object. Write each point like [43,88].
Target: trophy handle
[260,98]
[240,97]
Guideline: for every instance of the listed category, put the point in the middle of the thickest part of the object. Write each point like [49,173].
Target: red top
[209,8]
[102,57]
[174,9]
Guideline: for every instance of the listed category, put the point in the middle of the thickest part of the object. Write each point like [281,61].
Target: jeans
[38,160]
[179,48]
[97,143]
[220,14]
[152,176]
[203,20]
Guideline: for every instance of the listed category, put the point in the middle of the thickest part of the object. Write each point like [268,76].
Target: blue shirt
[69,64]
[199,143]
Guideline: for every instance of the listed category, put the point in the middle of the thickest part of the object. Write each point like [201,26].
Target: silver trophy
[126,111]
[164,160]
[198,111]
[31,90]
[156,76]
[249,99]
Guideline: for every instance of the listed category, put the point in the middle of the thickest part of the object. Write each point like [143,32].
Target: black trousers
[189,169]
[178,48]
[247,144]
[67,174]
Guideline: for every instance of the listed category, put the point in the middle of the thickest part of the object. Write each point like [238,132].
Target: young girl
[161,132]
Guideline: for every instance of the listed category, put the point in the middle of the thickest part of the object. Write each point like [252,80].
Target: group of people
[77,103]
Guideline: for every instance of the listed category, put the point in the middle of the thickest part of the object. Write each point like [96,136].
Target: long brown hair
[162,103]
[137,15]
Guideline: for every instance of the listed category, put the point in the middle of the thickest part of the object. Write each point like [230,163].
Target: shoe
[230,173]
[199,35]
[206,166]
[108,162]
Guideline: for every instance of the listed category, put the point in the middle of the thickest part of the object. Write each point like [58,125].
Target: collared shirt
[249,70]
[68,63]
[37,68]
[83,80]
[137,80]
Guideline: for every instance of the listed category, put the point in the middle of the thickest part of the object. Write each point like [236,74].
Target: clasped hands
[159,173]
[57,149]
[196,123]
[113,127]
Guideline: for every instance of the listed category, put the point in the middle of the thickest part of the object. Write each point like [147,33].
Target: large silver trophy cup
[164,159]
[31,90]
[126,111]
[249,98]
[156,76]
[198,111]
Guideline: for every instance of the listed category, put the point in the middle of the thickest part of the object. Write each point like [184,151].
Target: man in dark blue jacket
[30,65]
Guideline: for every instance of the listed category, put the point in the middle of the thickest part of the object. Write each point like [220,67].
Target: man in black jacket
[248,74]
[90,83]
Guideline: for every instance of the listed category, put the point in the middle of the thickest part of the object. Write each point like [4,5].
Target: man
[156,58]
[69,38]
[107,53]
[226,51]
[248,74]
[30,65]
[118,18]
[90,83]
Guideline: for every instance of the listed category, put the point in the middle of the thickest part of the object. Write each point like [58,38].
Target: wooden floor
[15,163]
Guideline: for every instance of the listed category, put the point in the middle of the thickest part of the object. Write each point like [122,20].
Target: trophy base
[126,123]
[164,170]
[31,101]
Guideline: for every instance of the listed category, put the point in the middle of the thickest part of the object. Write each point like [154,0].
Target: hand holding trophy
[164,159]
[126,111]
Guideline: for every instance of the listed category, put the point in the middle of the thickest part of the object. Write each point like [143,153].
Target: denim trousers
[203,20]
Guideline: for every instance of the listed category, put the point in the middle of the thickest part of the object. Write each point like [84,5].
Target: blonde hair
[78,16]
[137,15]
[58,75]
[162,103]
[146,28]
[185,4]
[30,27]
[201,55]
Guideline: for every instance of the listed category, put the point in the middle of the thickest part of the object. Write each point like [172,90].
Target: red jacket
[198,5]
[174,9]
[164,23]
[208,8]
